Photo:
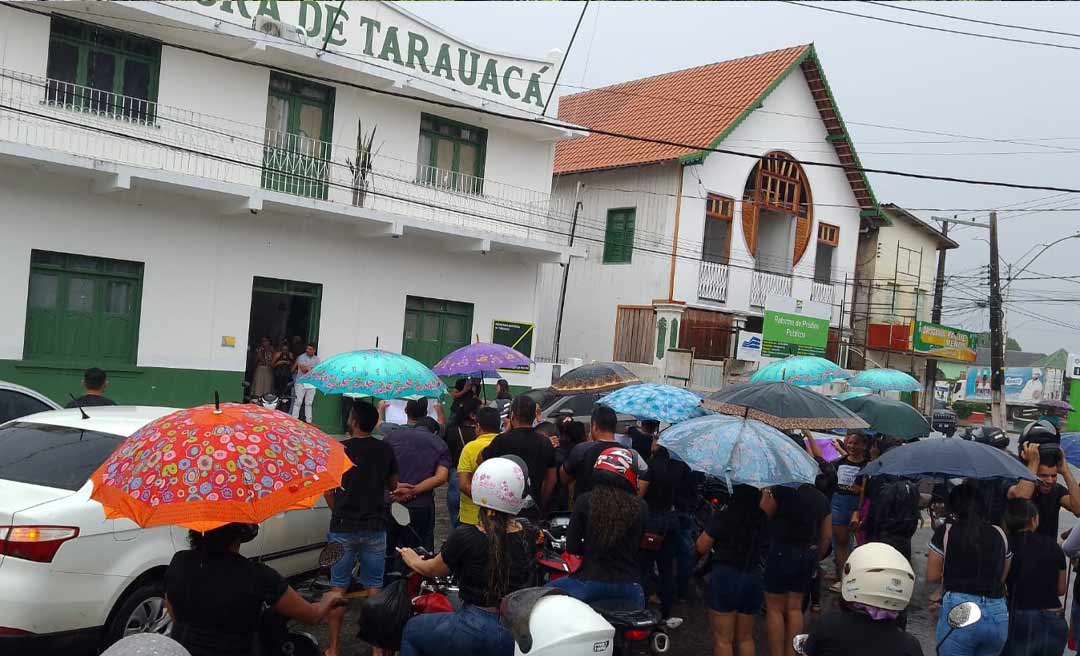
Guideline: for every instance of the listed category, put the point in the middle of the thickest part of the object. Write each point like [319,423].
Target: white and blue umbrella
[665,403]
[885,380]
[741,451]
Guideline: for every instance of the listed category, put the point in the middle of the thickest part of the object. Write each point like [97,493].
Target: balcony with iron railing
[712,281]
[764,284]
[108,127]
[822,292]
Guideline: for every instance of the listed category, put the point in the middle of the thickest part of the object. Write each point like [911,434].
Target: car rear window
[52,456]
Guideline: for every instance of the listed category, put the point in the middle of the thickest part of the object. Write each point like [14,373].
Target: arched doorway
[778,213]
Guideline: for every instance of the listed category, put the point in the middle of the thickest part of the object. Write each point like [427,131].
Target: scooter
[552,559]
[961,616]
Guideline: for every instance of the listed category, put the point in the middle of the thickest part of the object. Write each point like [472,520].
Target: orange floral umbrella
[208,466]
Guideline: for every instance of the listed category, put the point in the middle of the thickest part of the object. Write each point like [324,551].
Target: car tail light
[637,634]
[36,543]
[5,631]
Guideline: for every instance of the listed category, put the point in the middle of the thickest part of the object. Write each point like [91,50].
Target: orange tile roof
[692,106]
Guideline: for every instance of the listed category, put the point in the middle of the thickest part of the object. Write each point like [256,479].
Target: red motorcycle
[552,559]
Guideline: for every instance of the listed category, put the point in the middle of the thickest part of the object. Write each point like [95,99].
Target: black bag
[383,616]
[894,510]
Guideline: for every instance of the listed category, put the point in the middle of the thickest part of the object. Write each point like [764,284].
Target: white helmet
[877,575]
[561,625]
[499,484]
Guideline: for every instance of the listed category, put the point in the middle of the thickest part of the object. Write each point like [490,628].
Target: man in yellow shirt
[487,425]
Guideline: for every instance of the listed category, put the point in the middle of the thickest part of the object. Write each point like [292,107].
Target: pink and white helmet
[499,484]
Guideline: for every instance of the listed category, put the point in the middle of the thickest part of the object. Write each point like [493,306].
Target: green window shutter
[451,154]
[619,236]
[661,335]
[82,310]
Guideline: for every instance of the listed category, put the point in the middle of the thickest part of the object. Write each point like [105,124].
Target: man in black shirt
[641,439]
[1047,494]
[578,467]
[357,520]
[94,383]
[533,448]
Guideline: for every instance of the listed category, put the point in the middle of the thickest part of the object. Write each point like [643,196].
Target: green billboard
[785,334]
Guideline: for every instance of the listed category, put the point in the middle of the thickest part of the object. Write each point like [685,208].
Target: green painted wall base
[1072,424]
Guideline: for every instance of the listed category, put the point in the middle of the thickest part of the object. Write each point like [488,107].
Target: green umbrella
[889,416]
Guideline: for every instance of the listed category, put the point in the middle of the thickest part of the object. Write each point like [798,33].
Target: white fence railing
[707,375]
[712,281]
[821,292]
[763,284]
[83,121]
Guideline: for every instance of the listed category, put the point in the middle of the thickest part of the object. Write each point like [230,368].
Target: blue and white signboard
[749,346]
[1022,385]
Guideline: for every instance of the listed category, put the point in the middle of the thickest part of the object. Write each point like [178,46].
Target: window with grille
[82,310]
[716,240]
[101,70]
[619,236]
[451,155]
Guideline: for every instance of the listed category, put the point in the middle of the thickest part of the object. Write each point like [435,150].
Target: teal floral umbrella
[665,403]
[377,373]
[802,370]
[885,380]
[741,451]
[851,394]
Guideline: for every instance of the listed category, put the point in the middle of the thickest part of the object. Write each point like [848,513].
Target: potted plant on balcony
[360,167]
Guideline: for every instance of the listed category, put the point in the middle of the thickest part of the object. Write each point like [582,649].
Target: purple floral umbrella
[480,359]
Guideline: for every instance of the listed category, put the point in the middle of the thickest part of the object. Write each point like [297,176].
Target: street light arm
[1045,248]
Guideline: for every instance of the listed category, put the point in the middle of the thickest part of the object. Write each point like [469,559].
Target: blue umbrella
[1070,444]
[741,451]
[885,380]
[658,402]
[377,373]
[850,394]
[800,370]
[941,458]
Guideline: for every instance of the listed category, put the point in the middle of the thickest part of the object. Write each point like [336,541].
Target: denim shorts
[790,568]
[735,591]
[843,507]
[369,547]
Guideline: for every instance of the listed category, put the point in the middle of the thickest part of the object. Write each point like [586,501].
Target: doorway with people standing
[285,312]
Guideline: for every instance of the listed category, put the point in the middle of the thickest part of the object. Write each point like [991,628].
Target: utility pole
[566,276]
[935,317]
[997,335]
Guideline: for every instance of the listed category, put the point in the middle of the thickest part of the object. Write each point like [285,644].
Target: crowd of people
[636,522]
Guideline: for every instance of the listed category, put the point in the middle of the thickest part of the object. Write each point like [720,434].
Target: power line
[814,5]
[566,54]
[361,56]
[901,7]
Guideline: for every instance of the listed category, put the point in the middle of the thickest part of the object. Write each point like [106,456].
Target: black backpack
[894,509]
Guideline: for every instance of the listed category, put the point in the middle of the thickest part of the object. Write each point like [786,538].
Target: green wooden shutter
[619,236]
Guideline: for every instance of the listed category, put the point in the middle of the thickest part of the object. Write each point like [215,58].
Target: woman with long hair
[489,561]
[971,557]
[215,595]
[1037,580]
[605,529]
[736,591]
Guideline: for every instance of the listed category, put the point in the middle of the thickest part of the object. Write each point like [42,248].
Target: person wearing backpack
[894,512]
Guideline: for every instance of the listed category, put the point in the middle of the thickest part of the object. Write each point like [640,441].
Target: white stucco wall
[24,38]
[199,267]
[595,289]
[895,244]
[724,174]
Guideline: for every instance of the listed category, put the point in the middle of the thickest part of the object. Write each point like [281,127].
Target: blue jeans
[468,632]
[684,554]
[590,591]
[367,546]
[985,637]
[661,561]
[1036,633]
[453,499]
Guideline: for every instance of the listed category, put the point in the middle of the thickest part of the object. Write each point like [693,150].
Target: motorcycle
[275,635]
[552,559]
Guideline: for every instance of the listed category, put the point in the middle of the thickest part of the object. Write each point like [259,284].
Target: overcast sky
[996,97]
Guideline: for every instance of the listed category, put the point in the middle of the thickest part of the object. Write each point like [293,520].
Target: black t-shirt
[459,386]
[457,436]
[666,475]
[974,563]
[582,458]
[847,476]
[639,441]
[799,514]
[615,564]
[217,599]
[359,503]
[994,493]
[1033,577]
[737,533]
[1049,505]
[466,554]
[532,447]
[847,633]
[90,401]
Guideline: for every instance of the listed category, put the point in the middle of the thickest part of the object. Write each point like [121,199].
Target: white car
[18,401]
[71,581]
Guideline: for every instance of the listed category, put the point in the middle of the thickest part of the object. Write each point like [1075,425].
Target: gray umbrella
[784,406]
[146,644]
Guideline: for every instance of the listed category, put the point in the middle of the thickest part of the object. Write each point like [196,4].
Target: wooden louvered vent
[778,183]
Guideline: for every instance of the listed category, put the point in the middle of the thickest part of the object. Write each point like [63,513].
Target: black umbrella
[784,406]
[889,416]
[940,458]
[594,377]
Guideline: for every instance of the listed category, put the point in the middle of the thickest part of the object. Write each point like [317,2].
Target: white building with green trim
[686,243]
[178,179]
